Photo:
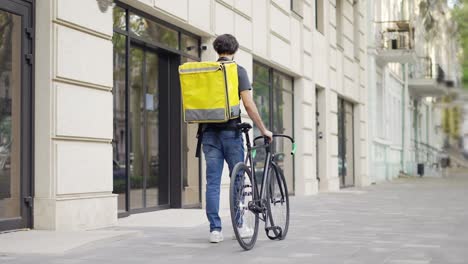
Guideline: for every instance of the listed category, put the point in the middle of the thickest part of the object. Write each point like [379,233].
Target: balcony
[423,82]
[395,42]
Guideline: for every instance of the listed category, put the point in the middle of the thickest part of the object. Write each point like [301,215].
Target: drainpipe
[427,132]
[415,114]
[403,120]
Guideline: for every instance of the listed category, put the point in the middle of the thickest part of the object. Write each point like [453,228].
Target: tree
[460,15]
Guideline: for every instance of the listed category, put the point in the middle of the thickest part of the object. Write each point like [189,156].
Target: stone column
[73,116]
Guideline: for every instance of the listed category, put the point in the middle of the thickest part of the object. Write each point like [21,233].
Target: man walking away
[223,142]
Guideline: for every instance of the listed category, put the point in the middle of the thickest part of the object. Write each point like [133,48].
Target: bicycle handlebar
[279,135]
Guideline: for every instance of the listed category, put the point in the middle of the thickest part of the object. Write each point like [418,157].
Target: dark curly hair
[226,44]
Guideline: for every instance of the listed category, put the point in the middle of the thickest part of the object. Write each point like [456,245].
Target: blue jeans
[219,146]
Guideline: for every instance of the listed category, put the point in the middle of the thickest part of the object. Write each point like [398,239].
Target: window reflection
[136,125]
[118,143]
[274,101]
[119,18]
[189,45]
[153,32]
[10,115]
[262,100]
[261,73]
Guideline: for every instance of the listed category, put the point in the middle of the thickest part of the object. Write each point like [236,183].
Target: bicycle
[249,204]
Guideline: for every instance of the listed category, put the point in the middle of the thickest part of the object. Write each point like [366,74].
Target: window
[357,32]
[297,7]
[345,143]
[319,16]
[339,23]
[119,127]
[273,95]
[153,32]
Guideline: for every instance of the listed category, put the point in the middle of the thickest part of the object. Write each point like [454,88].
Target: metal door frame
[25,9]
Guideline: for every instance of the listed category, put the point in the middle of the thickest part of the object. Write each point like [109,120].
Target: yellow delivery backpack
[210,92]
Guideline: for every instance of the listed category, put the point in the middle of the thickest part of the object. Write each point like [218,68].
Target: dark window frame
[25,9]
[271,88]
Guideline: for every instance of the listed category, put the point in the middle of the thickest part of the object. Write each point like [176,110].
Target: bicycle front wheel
[278,203]
[242,193]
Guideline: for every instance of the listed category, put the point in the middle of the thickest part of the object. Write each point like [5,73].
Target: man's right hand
[269,135]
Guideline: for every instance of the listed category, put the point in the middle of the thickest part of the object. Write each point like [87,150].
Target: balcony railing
[425,69]
[426,153]
[426,79]
[395,41]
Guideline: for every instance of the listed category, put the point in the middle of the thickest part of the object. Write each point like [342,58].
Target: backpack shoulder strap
[199,140]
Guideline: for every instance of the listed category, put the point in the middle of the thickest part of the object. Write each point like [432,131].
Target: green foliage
[5,127]
[460,14]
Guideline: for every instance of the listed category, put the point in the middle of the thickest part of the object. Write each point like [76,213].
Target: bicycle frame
[259,205]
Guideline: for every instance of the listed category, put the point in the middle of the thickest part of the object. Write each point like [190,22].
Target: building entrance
[16,28]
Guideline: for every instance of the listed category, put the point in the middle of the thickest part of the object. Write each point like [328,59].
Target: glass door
[15,117]
[152,169]
[149,184]
[349,141]
[345,143]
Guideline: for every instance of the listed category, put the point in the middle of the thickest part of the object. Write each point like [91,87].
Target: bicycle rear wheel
[278,203]
[242,191]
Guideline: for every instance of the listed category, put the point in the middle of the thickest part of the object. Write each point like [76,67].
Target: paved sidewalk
[408,221]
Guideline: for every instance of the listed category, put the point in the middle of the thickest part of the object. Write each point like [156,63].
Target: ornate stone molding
[104,4]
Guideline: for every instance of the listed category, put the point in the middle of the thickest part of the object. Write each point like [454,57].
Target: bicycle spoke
[244,221]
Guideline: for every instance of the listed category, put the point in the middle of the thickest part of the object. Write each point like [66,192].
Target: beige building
[101,79]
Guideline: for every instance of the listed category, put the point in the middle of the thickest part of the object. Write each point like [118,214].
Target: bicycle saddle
[244,126]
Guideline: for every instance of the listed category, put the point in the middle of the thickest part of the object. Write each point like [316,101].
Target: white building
[101,87]
[412,65]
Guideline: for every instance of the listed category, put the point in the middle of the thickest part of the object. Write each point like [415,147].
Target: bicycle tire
[238,196]
[277,189]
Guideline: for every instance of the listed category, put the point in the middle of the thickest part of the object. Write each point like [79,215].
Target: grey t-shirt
[244,83]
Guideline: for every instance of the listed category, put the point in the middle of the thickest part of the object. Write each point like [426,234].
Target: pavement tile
[409,221]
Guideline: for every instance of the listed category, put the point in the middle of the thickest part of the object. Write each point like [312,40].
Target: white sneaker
[244,232]
[216,237]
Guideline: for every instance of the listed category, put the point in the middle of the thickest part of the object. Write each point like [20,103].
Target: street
[408,221]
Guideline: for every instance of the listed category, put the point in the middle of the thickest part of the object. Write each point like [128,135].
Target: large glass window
[145,53]
[345,143]
[118,143]
[153,32]
[10,115]
[273,95]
